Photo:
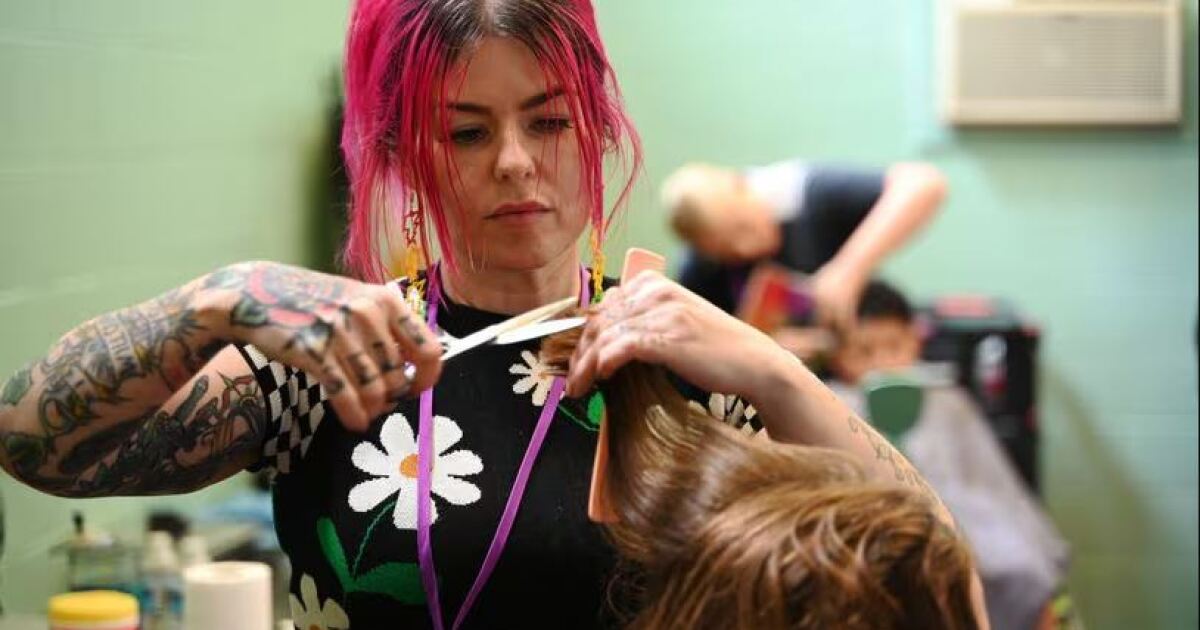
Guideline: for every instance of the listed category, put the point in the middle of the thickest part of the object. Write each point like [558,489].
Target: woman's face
[511,188]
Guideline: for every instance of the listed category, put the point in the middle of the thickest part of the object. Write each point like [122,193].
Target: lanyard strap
[425,468]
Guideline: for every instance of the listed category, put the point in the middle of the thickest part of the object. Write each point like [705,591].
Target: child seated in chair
[1022,558]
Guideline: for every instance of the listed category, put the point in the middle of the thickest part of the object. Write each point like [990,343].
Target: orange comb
[600,509]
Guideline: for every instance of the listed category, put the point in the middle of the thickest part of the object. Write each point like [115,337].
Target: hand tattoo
[413,331]
[381,355]
[304,303]
[362,369]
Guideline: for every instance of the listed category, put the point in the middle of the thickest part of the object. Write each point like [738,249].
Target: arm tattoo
[292,299]
[903,470]
[16,387]
[89,423]
[163,452]
[90,364]
[91,370]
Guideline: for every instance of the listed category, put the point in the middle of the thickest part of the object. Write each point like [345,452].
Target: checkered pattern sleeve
[732,410]
[296,405]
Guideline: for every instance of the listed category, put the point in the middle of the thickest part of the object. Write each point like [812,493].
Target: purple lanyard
[425,469]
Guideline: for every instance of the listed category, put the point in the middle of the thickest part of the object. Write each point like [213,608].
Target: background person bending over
[834,223]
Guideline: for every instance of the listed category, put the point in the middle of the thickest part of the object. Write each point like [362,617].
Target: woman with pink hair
[477,135]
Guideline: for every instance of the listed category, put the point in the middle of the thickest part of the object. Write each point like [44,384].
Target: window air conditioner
[1056,62]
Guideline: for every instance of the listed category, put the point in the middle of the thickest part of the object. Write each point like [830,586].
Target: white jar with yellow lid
[93,610]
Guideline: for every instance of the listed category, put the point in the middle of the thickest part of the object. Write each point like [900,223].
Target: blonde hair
[679,195]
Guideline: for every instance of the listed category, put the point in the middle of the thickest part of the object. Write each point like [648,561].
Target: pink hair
[398,56]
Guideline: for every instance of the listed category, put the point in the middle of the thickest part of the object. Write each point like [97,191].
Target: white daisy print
[395,470]
[731,410]
[310,614]
[535,375]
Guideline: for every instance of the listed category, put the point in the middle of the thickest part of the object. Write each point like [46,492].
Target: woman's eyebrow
[527,104]
[542,99]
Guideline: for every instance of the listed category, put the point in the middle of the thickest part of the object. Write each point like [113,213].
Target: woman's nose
[515,161]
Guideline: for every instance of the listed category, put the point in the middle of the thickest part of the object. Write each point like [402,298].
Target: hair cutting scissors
[531,324]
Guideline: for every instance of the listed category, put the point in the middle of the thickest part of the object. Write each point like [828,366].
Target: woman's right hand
[355,338]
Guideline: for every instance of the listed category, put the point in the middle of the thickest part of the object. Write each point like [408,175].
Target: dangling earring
[597,265]
[414,254]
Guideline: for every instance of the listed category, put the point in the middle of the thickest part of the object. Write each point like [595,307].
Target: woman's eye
[552,125]
[468,135]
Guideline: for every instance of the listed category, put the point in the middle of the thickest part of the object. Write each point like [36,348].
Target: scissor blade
[536,315]
[489,334]
[543,329]
[473,340]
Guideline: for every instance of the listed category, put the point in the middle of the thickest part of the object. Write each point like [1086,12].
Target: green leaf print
[399,580]
[595,410]
[590,420]
[332,546]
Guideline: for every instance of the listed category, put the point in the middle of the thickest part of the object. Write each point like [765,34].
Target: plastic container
[163,583]
[102,568]
[93,610]
[98,562]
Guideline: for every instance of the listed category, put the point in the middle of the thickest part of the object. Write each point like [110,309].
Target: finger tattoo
[362,368]
[385,363]
[412,330]
[333,383]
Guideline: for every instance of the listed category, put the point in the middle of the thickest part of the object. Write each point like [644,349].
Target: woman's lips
[519,213]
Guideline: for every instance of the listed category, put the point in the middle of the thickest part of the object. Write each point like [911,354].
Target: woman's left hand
[654,320]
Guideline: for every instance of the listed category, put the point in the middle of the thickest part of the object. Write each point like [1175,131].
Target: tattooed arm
[211,428]
[99,383]
[133,402]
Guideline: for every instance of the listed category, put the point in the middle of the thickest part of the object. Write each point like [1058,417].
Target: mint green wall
[1092,232]
[141,144]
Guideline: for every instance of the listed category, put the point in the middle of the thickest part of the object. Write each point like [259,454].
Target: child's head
[883,338]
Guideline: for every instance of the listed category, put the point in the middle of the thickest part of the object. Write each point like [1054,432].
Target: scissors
[531,324]
[528,325]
